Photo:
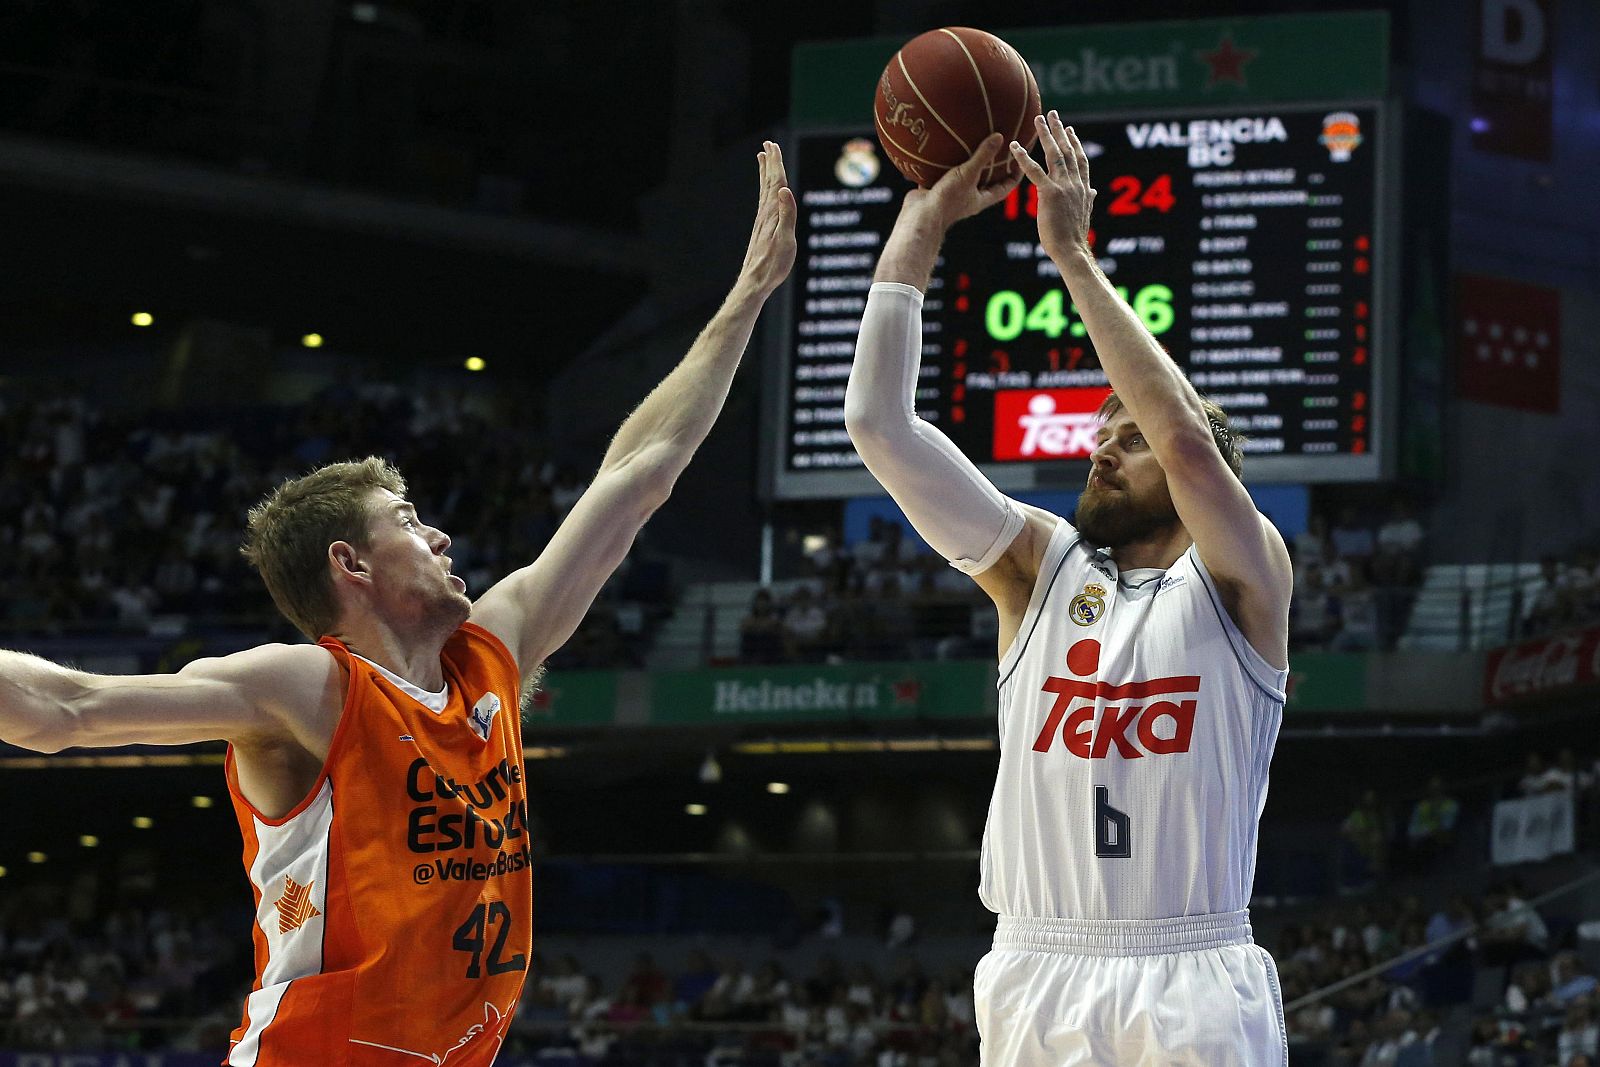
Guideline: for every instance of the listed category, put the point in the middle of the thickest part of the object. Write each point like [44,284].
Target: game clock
[1251,244]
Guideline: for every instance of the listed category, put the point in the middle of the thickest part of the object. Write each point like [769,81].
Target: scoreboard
[1256,243]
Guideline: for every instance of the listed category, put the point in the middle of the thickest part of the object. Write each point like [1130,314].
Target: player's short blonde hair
[1229,443]
[289,532]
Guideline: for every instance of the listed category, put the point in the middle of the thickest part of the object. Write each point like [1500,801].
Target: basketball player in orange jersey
[1143,655]
[377,775]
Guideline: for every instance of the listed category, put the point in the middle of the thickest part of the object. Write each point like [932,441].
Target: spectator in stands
[805,625]
[694,983]
[646,985]
[1311,546]
[1366,842]
[1352,538]
[566,982]
[1432,826]
[1583,583]
[1566,775]
[729,993]
[1312,612]
[761,631]
[1569,980]
[1579,1039]
[1396,561]
[1359,624]
[854,629]
[1528,987]
[1549,607]
[1512,931]
[1537,777]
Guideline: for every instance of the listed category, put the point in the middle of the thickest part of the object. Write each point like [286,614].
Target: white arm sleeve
[948,500]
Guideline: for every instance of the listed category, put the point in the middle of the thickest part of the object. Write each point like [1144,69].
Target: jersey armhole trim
[1069,537]
[324,774]
[1267,678]
[499,648]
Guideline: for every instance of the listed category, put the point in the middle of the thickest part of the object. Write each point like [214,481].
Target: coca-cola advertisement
[1046,423]
[1555,664]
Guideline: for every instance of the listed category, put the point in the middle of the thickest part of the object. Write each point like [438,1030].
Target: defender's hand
[1066,199]
[772,247]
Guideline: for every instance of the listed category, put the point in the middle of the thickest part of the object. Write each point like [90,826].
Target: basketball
[943,93]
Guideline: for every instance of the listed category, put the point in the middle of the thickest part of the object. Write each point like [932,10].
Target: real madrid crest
[1087,607]
[857,164]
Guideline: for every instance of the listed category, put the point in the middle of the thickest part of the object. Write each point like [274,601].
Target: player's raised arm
[254,696]
[1241,549]
[534,610]
[947,499]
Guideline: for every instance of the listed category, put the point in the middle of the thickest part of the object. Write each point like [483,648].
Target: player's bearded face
[1127,498]
[1115,517]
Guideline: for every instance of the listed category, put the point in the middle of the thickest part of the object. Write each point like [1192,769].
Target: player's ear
[347,563]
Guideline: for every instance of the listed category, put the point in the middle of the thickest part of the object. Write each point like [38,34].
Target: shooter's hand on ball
[1066,199]
[771,253]
[957,194]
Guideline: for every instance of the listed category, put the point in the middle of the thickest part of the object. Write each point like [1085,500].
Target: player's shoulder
[282,675]
[1042,526]
[473,639]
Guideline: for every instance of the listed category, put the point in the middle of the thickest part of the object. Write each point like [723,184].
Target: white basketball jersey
[1136,726]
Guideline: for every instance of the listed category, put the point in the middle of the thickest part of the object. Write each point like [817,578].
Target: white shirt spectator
[1400,535]
[805,620]
[1517,913]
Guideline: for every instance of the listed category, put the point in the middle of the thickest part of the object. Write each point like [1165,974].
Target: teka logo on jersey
[1046,423]
[1159,727]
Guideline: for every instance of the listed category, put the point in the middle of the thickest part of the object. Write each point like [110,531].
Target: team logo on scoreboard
[1341,133]
[858,163]
[1087,607]
[1046,423]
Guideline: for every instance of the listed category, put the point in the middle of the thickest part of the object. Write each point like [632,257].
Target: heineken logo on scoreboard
[1275,59]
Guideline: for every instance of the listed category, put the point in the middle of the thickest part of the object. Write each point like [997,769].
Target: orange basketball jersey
[394,904]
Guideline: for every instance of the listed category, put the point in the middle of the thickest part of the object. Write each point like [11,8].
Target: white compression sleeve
[948,500]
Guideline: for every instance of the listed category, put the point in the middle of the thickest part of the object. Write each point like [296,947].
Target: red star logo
[294,907]
[1226,62]
[543,701]
[908,691]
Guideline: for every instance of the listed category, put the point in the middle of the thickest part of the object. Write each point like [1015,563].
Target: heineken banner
[961,689]
[573,698]
[942,689]
[1327,681]
[1084,69]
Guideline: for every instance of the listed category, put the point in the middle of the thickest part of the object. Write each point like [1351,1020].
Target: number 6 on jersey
[1111,839]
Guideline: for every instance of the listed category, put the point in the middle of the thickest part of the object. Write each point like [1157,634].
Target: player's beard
[1111,518]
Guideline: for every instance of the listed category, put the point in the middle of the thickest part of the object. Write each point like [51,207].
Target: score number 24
[1132,197]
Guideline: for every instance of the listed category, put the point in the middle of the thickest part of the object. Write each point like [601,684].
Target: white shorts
[1163,992]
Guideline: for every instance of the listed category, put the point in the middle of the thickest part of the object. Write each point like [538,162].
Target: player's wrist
[749,293]
[924,215]
[1075,260]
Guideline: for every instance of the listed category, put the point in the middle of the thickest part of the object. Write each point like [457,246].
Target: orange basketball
[944,92]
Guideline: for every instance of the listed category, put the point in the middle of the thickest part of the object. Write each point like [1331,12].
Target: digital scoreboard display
[1252,243]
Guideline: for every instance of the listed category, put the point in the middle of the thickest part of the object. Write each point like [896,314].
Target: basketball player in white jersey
[1143,656]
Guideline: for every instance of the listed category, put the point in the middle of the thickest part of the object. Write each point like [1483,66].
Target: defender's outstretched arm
[534,610]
